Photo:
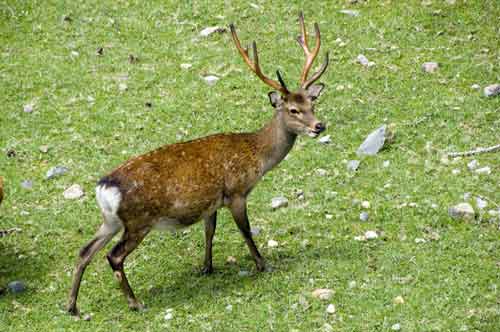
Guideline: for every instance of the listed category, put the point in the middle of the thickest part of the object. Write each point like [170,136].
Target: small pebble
[44,148]
[272,244]
[371,235]
[56,171]
[430,67]
[325,139]
[481,203]
[455,171]
[211,30]
[210,79]
[472,165]
[186,65]
[396,327]
[87,317]
[386,163]
[365,204]
[330,309]
[16,287]
[463,211]
[168,316]
[27,184]
[321,172]
[279,202]
[419,240]
[329,216]
[349,12]
[364,216]
[492,90]
[373,143]
[363,60]
[483,170]
[231,260]
[229,308]
[398,300]
[243,273]
[122,87]
[29,108]
[475,87]
[73,192]
[322,293]
[352,165]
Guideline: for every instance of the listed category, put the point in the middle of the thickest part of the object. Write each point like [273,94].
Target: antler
[254,66]
[310,56]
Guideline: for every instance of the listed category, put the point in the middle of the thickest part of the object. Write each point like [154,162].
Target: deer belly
[169,224]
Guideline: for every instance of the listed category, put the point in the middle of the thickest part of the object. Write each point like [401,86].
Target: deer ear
[275,98]
[314,90]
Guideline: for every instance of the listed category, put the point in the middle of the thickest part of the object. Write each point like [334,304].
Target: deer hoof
[261,266]
[73,310]
[136,306]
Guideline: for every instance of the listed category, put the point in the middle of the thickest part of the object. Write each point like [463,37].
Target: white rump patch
[109,199]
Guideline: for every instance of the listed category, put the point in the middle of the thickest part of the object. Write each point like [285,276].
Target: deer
[179,184]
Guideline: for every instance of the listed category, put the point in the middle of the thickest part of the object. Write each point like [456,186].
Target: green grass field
[90,125]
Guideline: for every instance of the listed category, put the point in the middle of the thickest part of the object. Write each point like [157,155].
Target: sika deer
[178,184]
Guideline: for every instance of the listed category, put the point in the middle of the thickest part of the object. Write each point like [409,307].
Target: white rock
[463,211]
[371,235]
[398,300]
[365,204]
[455,171]
[352,165]
[351,284]
[327,327]
[492,90]
[229,307]
[231,260]
[330,308]
[396,327]
[467,196]
[363,60]
[483,170]
[419,240]
[472,165]
[481,203]
[186,65]
[211,30]
[430,67]
[494,213]
[386,163]
[325,139]
[122,87]
[364,216]
[279,202]
[168,316]
[373,142]
[475,87]
[322,293]
[321,172]
[329,216]
[28,108]
[272,243]
[73,192]
[210,79]
[349,12]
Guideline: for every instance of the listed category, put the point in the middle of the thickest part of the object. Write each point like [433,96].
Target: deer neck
[275,141]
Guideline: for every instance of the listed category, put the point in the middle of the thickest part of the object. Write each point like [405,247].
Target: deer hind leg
[238,209]
[116,258]
[102,237]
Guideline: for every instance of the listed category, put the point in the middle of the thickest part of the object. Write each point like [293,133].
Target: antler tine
[254,66]
[317,74]
[310,56]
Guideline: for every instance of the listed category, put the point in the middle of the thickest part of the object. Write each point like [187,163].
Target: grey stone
[16,287]
[373,142]
[27,184]
[472,165]
[463,211]
[279,202]
[29,108]
[56,172]
[210,79]
[211,30]
[492,90]
[364,216]
[363,60]
[73,192]
[325,139]
[371,235]
[349,12]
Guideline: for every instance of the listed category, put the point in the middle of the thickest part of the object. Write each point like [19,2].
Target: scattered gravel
[279,202]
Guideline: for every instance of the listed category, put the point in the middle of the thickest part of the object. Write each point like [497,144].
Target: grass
[90,126]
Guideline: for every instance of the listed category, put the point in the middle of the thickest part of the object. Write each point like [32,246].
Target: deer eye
[294,111]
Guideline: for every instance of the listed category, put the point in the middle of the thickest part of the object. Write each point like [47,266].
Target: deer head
[296,108]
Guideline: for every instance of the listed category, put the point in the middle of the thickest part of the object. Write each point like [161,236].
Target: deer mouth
[313,133]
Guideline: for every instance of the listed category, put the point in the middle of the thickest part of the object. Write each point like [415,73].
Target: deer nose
[319,127]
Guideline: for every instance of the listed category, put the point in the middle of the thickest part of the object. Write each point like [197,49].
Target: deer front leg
[210,224]
[238,209]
